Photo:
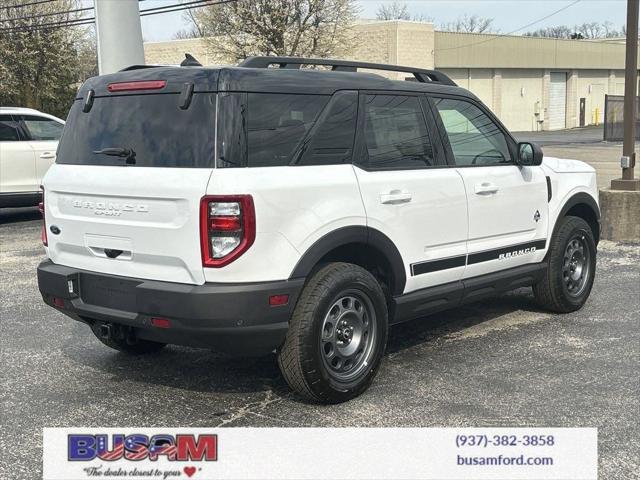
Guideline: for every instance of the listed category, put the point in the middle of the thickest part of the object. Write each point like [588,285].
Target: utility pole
[628,160]
[119,35]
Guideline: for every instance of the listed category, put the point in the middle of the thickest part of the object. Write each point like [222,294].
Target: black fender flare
[577,199]
[354,234]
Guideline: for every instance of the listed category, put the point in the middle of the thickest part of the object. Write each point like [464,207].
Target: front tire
[337,335]
[571,267]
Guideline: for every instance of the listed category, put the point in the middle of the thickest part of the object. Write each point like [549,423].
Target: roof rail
[421,75]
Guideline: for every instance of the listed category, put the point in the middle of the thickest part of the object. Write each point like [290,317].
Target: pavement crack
[252,408]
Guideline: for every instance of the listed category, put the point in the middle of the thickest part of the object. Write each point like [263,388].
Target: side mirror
[529,154]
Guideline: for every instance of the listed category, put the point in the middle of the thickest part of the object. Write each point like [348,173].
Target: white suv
[252,209]
[28,143]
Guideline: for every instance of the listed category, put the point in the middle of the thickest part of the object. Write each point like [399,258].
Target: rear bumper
[235,318]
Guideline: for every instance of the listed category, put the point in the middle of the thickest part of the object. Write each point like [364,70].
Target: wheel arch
[584,206]
[361,245]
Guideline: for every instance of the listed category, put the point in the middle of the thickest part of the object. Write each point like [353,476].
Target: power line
[179,6]
[51,14]
[28,4]
[511,32]
[89,20]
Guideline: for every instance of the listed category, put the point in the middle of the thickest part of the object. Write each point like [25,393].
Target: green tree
[312,28]
[42,60]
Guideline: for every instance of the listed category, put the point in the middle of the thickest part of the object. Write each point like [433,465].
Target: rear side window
[41,128]
[263,129]
[153,126]
[331,140]
[396,133]
[8,129]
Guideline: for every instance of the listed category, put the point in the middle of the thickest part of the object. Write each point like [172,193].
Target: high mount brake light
[227,228]
[137,85]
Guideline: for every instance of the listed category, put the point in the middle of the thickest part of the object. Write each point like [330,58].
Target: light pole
[119,35]
[628,160]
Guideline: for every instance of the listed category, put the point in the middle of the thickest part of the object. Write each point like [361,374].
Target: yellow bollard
[597,115]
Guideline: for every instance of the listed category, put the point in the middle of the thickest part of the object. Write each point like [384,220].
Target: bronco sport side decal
[503,253]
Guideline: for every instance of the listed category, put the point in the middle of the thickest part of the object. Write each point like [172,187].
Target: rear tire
[123,342]
[337,335]
[571,267]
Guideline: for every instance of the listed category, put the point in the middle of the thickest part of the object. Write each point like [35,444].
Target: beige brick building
[530,83]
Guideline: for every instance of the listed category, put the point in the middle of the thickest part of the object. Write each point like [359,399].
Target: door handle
[486,188]
[47,155]
[395,197]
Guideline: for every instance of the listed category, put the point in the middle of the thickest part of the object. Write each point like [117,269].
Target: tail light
[44,223]
[227,228]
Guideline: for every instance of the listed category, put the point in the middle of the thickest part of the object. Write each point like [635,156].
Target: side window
[395,133]
[276,124]
[474,138]
[41,128]
[8,129]
[332,137]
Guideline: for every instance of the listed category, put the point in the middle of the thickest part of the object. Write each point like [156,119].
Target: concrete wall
[396,43]
[522,96]
[172,52]
[474,50]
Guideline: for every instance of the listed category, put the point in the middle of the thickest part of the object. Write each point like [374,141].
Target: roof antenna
[190,61]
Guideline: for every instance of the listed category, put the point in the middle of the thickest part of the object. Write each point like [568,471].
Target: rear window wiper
[127,153]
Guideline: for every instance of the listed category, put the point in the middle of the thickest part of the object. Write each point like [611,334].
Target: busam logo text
[136,447]
[516,253]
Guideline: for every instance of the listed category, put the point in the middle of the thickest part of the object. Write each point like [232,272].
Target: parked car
[253,209]
[28,143]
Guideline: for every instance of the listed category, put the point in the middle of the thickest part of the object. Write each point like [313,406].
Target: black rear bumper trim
[235,318]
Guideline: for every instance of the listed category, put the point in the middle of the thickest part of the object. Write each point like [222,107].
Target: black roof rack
[421,75]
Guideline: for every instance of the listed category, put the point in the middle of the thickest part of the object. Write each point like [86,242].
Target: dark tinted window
[153,126]
[41,128]
[277,124]
[475,139]
[331,140]
[395,132]
[8,130]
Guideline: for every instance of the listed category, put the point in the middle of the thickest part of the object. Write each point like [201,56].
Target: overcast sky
[508,15]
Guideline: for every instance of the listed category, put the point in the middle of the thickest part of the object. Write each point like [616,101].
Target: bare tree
[470,24]
[393,11]
[42,60]
[399,11]
[560,31]
[240,29]
[589,30]
[193,31]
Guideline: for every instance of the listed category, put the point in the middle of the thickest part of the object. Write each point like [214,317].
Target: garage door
[557,100]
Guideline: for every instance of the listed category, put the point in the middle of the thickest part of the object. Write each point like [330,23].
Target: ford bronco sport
[271,207]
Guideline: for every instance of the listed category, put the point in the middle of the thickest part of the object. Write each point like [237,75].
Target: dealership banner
[318,453]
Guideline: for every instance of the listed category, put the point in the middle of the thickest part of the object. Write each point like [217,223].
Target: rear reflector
[58,302]
[161,322]
[277,300]
[140,85]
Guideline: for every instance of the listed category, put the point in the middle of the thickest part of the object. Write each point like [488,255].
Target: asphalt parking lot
[502,362]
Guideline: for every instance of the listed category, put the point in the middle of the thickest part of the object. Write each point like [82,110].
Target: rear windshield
[152,127]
